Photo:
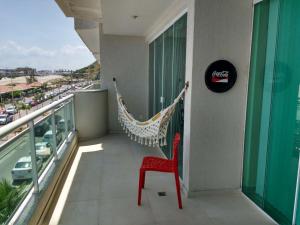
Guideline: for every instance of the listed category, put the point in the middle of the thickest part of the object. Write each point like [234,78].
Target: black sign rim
[220,88]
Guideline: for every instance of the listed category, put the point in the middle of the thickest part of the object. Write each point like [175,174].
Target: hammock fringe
[152,132]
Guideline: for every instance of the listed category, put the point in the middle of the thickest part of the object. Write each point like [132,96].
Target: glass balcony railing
[29,148]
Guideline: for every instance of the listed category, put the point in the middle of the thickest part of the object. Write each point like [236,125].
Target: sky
[36,33]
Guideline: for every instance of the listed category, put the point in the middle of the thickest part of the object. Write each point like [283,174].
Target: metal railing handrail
[87,87]
[31,116]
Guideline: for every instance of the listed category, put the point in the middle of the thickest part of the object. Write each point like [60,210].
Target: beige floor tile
[104,192]
[80,213]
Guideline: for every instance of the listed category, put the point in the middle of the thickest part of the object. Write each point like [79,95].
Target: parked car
[41,129]
[33,103]
[23,168]
[47,96]
[27,102]
[11,110]
[57,118]
[61,125]
[5,119]
[43,149]
[48,137]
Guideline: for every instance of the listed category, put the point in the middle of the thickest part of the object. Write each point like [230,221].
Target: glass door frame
[267,99]
[169,57]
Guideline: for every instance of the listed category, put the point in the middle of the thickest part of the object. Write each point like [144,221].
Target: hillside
[92,69]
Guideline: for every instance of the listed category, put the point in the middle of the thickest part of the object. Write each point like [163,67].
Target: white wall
[126,58]
[91,113]
[215,123]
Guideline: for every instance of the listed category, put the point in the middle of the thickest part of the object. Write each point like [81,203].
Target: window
[167,77]
[272,133]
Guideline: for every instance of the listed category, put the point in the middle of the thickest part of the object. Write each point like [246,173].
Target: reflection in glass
[15,172]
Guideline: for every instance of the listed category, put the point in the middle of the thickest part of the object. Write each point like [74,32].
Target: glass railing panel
[44,143]
[60,126]
[69,115]
[27,154]
[15,171]
[72,115]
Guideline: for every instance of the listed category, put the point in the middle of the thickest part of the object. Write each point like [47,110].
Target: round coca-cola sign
[220,76]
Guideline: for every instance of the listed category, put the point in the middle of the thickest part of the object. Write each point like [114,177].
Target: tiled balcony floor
[104,192]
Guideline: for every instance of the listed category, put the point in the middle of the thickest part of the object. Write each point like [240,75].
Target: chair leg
[140,188]
[143,179]
[178,190]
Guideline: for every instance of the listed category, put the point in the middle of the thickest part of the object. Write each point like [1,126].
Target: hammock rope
[152,132]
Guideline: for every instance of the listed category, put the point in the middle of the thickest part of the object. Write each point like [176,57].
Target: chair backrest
[176,142]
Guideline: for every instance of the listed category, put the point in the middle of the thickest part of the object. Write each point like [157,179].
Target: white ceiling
[90,38]
[82,9]
[90,34]
[118,15]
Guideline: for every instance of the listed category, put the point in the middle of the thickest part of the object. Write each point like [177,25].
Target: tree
[31,78]
[9,199]
[39,96]
[16,93]
[44,86]
[23,106]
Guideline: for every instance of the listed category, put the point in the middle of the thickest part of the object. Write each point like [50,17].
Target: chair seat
[157,164]
[152,163]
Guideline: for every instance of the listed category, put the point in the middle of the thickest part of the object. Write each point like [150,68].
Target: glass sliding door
[167,80]
[282,151]
[167,76]
[253,175]
[158,73]
[151,80]
[272,126]
[179,80]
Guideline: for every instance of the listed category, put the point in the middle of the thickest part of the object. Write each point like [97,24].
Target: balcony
[102,189]
[92,177]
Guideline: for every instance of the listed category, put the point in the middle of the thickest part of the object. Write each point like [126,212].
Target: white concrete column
[215,123]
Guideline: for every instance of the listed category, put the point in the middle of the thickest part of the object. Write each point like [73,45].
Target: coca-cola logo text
[220,77]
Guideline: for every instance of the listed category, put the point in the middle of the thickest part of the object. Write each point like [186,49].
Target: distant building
[18,72]
[44,72]
[63,72]
[6,72]
[25,71]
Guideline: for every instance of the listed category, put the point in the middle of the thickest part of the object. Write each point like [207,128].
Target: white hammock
[151,132]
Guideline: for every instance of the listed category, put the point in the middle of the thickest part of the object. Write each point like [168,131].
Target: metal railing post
[34,168]
[53,127]
[73,113]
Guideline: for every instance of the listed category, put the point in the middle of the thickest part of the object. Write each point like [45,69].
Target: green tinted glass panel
[282,158]
[158,73]
[166,77]
[179,79]
[168,80]
[254,105]
[272,130]
[151,80]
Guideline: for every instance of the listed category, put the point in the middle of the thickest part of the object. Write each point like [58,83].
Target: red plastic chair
[151,163]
